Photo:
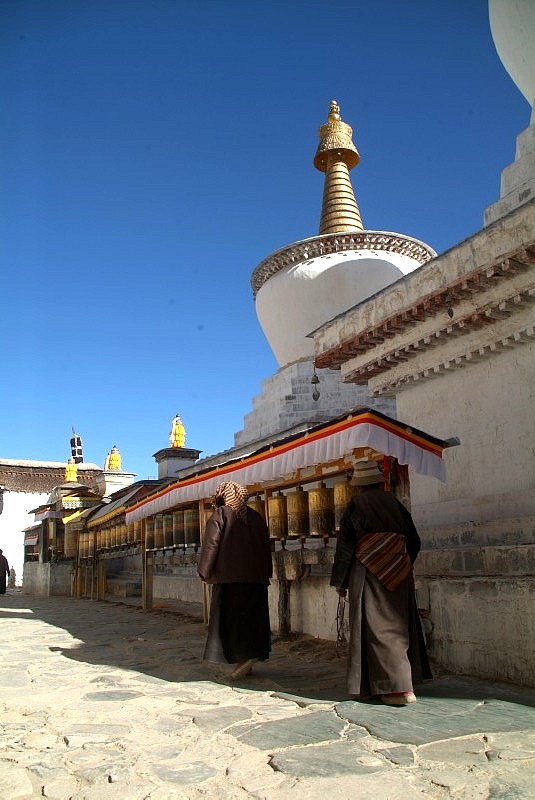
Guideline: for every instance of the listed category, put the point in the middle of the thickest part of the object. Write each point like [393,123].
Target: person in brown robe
[236,558]
[375,550]
[4,572]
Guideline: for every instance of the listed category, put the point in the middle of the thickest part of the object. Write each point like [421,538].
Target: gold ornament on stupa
[335,156]
[71,471]
[177,435]
[113,460]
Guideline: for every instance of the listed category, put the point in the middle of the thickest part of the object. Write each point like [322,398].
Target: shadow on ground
[168,645]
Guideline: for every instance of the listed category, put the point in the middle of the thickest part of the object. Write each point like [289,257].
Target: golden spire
[177,435]
[71,471]
[335,156]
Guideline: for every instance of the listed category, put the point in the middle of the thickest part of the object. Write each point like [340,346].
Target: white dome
[296,299]
[512,24]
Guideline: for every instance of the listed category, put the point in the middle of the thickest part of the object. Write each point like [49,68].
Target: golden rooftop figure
[113,460]
[71,471]
[335,156]
[177,435]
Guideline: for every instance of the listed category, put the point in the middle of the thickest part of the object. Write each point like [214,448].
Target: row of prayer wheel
[300,513]
[82,543]
[177,529]
[118,536]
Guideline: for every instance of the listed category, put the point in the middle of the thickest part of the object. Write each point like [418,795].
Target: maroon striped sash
[385,555]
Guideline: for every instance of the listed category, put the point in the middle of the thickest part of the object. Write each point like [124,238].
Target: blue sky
[154,151]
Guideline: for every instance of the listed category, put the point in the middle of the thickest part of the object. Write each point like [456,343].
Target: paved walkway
[104,701]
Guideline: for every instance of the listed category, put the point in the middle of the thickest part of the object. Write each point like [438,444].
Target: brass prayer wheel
[106,538]
[178,528]
[130,533]
[123,534]
[149,533]
[343,493]
[258,504]
[168,530]
[158,531]
[137,530]
[297,508]
[192,532]
[321,511]
[278,518]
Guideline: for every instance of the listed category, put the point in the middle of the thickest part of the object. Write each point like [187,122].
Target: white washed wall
[14,518]
[490,406]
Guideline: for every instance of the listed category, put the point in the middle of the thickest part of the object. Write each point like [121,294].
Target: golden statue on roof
[177,434]
[113,460]
[71,471]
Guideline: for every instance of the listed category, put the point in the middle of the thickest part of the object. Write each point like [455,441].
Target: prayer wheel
[343,493]
[71,542]
[137,530]
[149,533]
[258,504]
[168,530]
[106,538]
[278,518]
[130,533]
[297,507]
[321,508]
[114,537]
[158,531]
[178,528]
[192,532]
[83,545]
[123,534]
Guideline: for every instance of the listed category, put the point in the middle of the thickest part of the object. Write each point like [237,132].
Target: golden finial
[334,112]
[71,471]
[335,156]
[177,435]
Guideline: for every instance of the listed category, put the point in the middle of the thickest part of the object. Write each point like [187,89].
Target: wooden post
[149,581]
[285,623]
[204,515]
[101,578]
[147,571]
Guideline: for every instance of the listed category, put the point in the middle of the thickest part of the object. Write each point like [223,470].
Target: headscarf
[233,495]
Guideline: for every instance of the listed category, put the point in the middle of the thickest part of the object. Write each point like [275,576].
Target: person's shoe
[398,698]
[243,668]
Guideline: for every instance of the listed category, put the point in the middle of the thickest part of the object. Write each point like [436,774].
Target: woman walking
[375,550]
[236,558]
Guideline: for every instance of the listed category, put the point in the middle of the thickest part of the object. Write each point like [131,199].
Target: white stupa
[512,24]
[307,283]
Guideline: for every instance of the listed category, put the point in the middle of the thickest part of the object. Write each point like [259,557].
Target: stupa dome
[305,284]
[512,23]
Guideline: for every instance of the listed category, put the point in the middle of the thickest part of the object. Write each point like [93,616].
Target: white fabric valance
[328,444]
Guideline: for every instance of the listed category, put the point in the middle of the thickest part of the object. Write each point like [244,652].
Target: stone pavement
[101,701]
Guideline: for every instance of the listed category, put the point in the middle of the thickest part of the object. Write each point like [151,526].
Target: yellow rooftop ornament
[71,471]
[177,435]
[113,460]
[335,156]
